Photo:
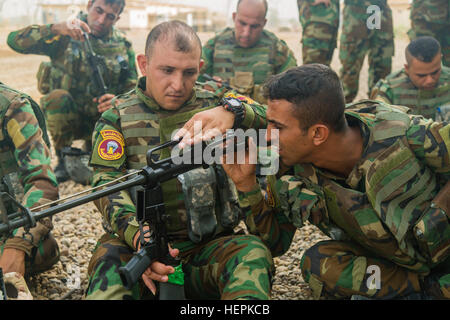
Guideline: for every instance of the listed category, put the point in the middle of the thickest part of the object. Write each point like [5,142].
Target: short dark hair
[316,93]
[183,35]
[266,6]
[423,49]
[121,3]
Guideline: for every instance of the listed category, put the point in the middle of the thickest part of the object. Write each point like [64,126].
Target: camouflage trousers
[230,267]
[318,43]
[356,42]
[41,258]
[440,32]
[338,270]
[66,120]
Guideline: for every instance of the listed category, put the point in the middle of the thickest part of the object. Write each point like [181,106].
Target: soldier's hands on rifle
[72,29]
[13,260]
[325,2]
[204,126]
[157,270]
[104,102]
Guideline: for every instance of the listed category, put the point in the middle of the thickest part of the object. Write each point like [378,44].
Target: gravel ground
[78,229]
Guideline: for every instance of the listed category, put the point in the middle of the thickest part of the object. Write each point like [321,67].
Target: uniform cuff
[248,118]
[19,244]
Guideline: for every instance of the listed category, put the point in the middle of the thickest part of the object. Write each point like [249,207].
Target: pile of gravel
[77,231]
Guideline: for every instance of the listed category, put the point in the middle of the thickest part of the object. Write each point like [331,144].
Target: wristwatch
[235,106]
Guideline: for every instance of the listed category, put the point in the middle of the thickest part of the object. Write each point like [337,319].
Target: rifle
[95,62]
[149,209]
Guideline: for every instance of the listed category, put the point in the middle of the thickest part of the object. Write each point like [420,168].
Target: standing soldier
[72,102]
[423,85]
[432,18]
[200,205]
[358,39]
[320,23]
[247,54]
[26,175]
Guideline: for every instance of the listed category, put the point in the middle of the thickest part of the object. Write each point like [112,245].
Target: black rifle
[149,209]
[96,63]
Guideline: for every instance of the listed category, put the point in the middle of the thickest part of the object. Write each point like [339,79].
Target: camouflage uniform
[357,40]
[246,69]
[380,216]
[320,26]
[217,263]
[26,174]
[398,89]
[432,18]
[67,82]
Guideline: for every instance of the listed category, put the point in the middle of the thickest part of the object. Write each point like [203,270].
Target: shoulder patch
[245,99]
[112,145]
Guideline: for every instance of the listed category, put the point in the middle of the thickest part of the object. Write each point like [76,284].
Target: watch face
[234,102]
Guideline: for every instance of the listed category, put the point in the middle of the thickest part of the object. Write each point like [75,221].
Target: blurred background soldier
[320,24]
[25,174]
[432,18]
[423,84]
[72,102]
[357,40]
[246,55]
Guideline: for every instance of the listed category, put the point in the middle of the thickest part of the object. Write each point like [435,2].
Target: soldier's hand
[325,2]
[104,102]
[204,126]
[71,28]
[13,260]
[157,270]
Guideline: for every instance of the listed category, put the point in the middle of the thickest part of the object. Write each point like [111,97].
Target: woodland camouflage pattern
[71,105]
[380,215]
[357,40]
[246,69]
[228,267]
[25,155]
[432,18]
[398,89]
[320,26]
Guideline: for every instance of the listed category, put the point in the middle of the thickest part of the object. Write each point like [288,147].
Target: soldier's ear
[202,63]
[318,133]
[142,63]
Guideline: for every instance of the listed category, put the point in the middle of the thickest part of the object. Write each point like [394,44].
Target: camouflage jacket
[433,11]
[69,69]
[319,13]
[246,69]
[398,89]
[25,161]
[381,205]
[134,126]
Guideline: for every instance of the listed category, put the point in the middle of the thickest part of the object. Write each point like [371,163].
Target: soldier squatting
[372,175]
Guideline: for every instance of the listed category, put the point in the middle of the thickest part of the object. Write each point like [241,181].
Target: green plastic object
[178,276]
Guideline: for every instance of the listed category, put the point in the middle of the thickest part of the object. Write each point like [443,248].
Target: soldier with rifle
[26,175]
[82,52]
